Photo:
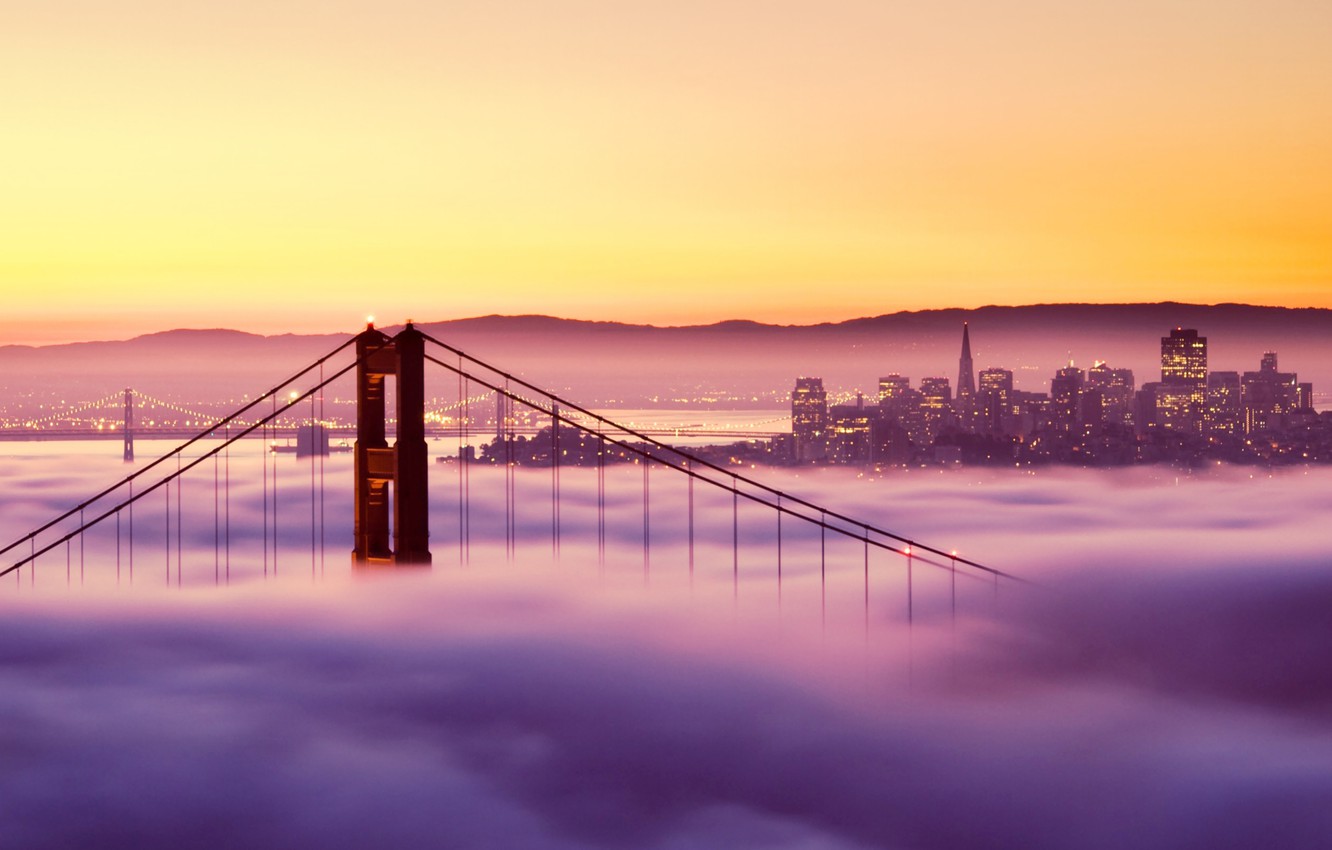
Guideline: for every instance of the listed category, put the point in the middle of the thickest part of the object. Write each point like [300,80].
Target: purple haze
[1167,685]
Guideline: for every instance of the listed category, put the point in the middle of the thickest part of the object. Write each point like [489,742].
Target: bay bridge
[691,507]
[125,415]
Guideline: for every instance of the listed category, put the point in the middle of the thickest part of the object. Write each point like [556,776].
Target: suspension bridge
[125,415]
[702,508]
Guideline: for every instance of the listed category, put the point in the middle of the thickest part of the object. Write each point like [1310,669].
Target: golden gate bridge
[390,507]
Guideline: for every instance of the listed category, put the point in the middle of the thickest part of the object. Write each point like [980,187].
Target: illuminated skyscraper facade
[936,408]
[809,420]
[1116,389]
[1066,399]
[1268,395]
[994,406]
[1224,412]
[1182,396]
[849,432]
[891,390]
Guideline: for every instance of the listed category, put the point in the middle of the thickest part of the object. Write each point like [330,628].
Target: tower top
[966,380]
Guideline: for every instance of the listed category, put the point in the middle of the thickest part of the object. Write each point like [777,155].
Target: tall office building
[936,408]
[966,385]
[849,432]
[809,420]
[892,388]
[994,408]
[966,376]
[1116,388]
[1268,395]
[1066,399]
[1182,396]
[1224,413]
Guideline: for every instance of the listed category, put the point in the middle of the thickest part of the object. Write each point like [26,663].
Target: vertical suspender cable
[180,525]
[217,534]
[226,496]
[167,492]
[275,490]
[601,497]
[646,466]
[823,570]
[323,455]
[263,460]
[689,467]
[467,472]
[779,553]
[735,540]
[314,450]
[461,461]
[554,481]
[867,598]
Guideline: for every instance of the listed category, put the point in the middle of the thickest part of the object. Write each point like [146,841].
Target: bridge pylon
[391,481]
[128,430]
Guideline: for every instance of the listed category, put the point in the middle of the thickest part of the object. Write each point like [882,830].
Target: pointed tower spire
[966,374]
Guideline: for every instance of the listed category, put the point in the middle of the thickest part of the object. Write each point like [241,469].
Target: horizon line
[695,326]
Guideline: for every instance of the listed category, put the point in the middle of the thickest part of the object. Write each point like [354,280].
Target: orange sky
[295,168]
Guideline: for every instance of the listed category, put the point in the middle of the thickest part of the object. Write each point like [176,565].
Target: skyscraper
[1066,399]
[1182,396]
[1223,415]
[809,419]
[966,379]
[936,408]
[966,386]
[1116,387]
[1268,395]
[994,410]
[891,389]
[1184,357]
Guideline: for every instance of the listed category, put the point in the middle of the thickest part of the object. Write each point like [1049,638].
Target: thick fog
[1164,681]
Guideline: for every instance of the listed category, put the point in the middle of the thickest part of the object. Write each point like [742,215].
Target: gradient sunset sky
[278,166]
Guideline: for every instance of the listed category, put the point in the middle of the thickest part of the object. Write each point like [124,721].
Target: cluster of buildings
[1096,416]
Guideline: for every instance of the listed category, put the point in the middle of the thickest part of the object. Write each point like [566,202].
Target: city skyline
[1097,416]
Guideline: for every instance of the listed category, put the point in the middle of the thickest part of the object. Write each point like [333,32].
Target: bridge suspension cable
[559,410]
[105,401]
[178,408]
[128,480]
[461,404]
[772,497]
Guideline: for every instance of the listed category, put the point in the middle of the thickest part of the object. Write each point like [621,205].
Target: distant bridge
[288,432]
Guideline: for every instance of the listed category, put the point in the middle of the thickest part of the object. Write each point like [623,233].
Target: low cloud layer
[1166,685]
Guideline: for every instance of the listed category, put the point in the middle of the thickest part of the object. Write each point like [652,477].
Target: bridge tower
[128,430]
[405,464]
